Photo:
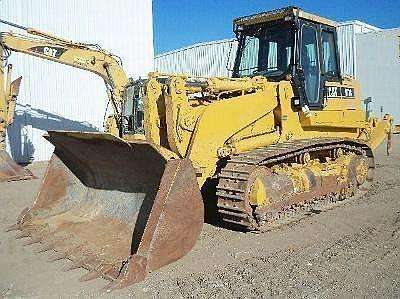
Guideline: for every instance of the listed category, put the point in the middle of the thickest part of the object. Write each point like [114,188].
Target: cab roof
[282,13]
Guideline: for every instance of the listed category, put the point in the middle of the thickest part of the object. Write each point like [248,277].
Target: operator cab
[132,110]
[289,44]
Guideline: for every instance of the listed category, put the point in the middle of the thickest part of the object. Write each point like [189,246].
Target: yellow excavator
[285,136]
[46,46]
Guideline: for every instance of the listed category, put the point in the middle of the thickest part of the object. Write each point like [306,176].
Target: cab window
[330,66]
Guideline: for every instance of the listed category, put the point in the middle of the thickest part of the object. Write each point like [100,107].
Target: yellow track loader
[46,46]
[284,136]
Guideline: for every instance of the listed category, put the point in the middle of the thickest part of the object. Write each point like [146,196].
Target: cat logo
[339,92]
[52,52]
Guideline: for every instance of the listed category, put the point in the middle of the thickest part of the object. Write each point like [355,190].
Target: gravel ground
[351,251]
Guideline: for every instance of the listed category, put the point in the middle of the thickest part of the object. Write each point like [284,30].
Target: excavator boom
[88,57]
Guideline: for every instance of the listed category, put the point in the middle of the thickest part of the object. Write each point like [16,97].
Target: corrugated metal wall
[378,60]
[55,96]
[210,59]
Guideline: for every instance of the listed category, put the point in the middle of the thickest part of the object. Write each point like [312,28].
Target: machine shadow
[21,147]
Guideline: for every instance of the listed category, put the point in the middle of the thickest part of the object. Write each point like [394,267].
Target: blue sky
[178,23]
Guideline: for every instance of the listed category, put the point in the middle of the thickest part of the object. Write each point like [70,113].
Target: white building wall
[378,60]
[55,96]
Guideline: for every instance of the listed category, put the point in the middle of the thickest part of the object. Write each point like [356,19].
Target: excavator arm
[88,57]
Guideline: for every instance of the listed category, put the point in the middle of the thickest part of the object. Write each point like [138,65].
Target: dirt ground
[350,251]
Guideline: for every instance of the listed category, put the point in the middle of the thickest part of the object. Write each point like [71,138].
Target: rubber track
[233,178]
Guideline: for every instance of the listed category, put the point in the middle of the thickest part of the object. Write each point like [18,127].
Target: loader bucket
[119,209]
[11,171]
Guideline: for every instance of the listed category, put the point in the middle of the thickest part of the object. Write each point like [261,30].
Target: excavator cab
[290,44]
[132,110]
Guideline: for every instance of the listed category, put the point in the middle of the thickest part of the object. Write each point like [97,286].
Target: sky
[179,23]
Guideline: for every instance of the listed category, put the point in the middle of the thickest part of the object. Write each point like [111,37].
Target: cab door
[310,64]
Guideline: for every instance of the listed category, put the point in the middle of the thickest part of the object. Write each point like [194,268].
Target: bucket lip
[11,170]
[85,135]
[165,153]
